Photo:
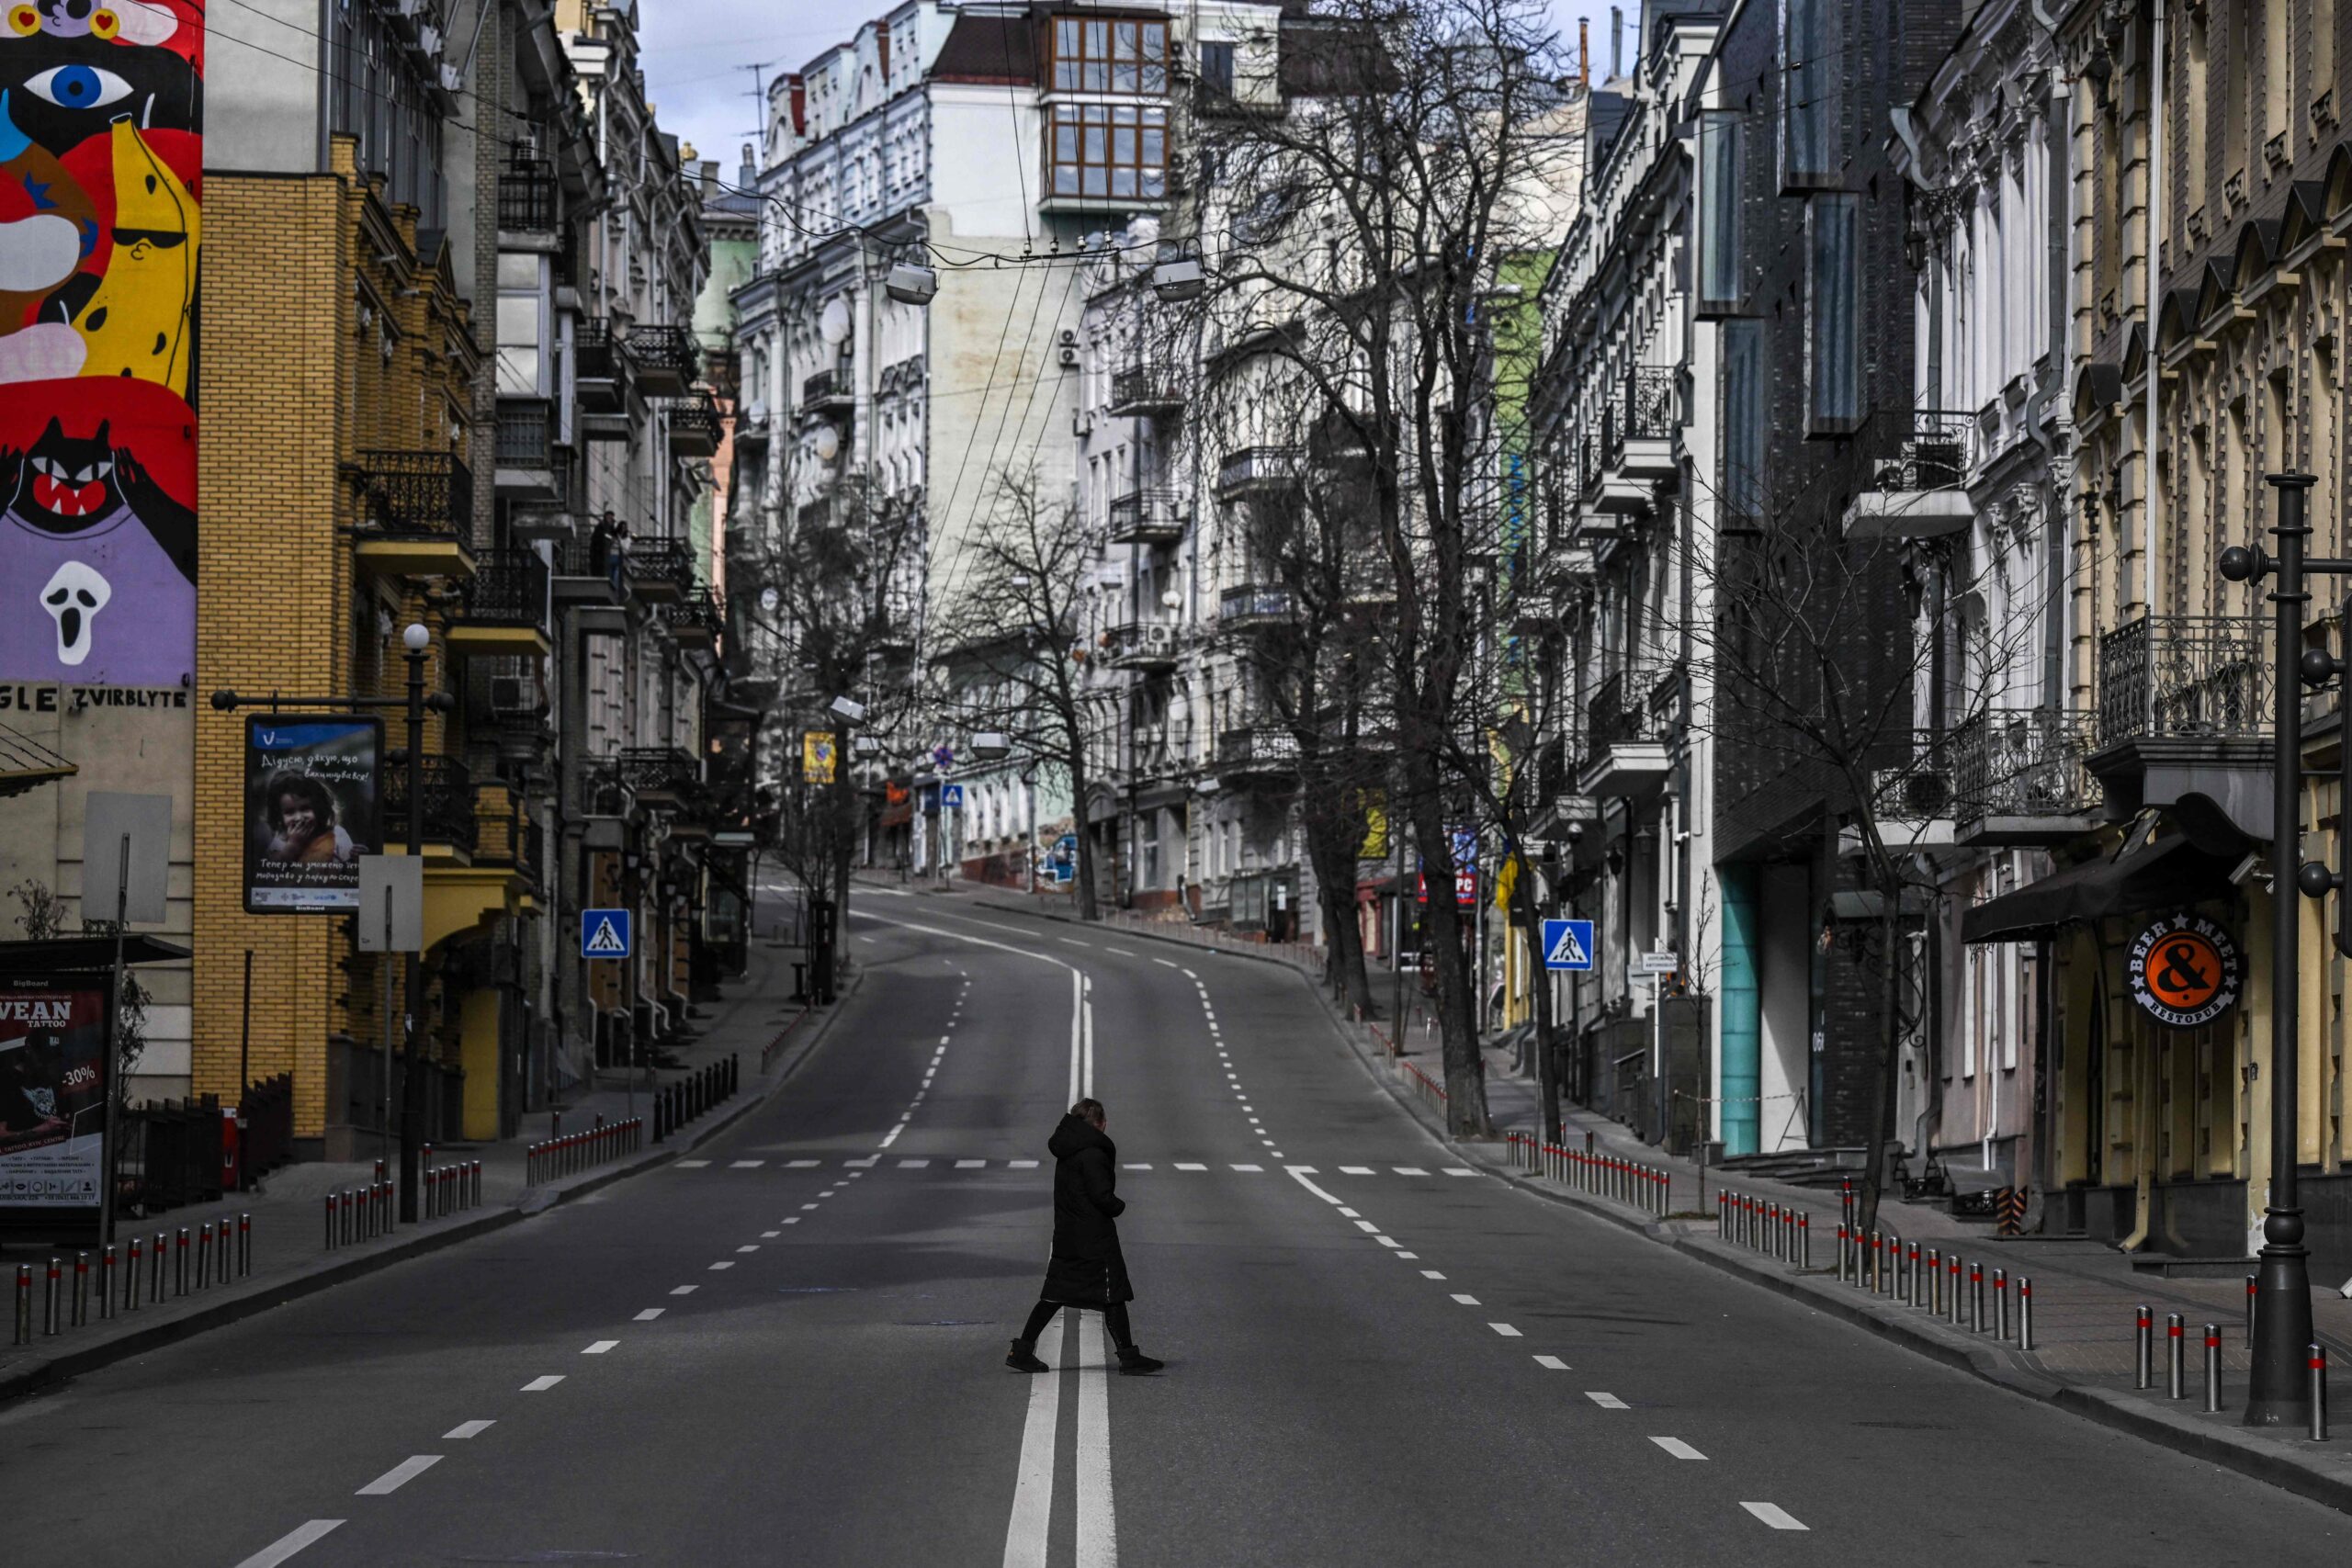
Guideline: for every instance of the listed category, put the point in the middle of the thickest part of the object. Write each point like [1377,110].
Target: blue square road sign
[1568,945]
[604,933]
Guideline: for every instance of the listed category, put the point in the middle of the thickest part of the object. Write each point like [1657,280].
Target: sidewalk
[754,1020]
[2085,1294]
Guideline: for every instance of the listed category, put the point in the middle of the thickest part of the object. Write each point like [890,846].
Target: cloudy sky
[699,54]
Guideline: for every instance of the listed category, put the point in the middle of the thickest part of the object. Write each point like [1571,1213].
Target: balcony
[667,359]
[831,393]
[693,428]
[1254,607]
[660,570]
[505,610]
[448,804]
[1259,754]
[527,202]
[588,580]
[1641,423]
[1142,391]
[1141,645]
[416,513]
[602,374]
[1627,728]
[1257,470]
[2019,778]
[505,834]
[1147,517]
[2185,710]
[659,775]
[1913,476]
[695,620]
[526,449]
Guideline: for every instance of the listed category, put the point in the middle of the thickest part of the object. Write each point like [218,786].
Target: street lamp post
[2277,1392]
[416,644]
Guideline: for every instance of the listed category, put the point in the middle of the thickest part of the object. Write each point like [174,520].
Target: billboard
[101,158]
[313,807]
[52,1093]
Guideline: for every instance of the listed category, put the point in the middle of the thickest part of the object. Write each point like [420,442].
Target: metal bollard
[2250,1281]
[2144,1347]
[1723,1219]
[155,1271]
[1951,1289]
[2212,1368]
[2000,1303]
[1976,1293]
[23,1314]
[1804,1240]
[131,1279]
[220,1260]
[245,1245]
[203,1256]
[1841,1252]
[2318,1358]
[1892,1267]
[81,1289]
[179,1262]
[477,1184]
[1935,1294]
[106,1282]
[2025,1312]
[2176,1358]
[49,1323]
[1910,1272]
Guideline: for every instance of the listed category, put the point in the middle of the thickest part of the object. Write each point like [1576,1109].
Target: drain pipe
[2155,205]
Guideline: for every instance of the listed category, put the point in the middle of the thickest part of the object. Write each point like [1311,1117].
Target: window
[522,325]
[1721,165]
[1216,69]
[1832,313]
[1110,55]
[1809,101]
[1746,420]
[1110,150]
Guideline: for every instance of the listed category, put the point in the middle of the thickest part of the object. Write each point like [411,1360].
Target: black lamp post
[2278,1391]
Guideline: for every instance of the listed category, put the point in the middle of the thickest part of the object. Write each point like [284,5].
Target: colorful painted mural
[101,158]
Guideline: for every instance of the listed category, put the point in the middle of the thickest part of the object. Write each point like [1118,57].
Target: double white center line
[1028,1531]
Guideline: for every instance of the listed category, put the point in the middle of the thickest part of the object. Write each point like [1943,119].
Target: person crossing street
[1087,1270]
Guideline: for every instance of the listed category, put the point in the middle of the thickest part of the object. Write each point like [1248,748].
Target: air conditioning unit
[513,694]
[1070,337]
[1914,794]
[1068,357]
[1159,640]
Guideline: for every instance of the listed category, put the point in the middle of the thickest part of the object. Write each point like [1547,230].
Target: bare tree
[1359,233]
[1014,624]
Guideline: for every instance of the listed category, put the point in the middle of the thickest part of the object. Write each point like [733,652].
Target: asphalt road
[786,1349]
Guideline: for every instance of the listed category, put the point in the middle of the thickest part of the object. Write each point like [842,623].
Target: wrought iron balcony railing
[657,771]
[695,620]
[1258,468]
[525,433]
[448,804]
[662,561]
[1633,706]
[694,427]
[2022,762]
[416,494]
[509,588]
[1254,605]
[2185,675]
[827,390]
[667,352]
[1260,749]
[1146,387]
[1914,449]
[1147,517]
[1645,408]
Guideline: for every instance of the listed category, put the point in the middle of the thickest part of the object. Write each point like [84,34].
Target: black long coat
[1087,1268]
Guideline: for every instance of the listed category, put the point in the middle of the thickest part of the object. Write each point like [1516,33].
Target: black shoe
[1134,1363]
[1024,1358]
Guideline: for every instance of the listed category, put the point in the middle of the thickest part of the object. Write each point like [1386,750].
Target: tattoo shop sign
[2185,971]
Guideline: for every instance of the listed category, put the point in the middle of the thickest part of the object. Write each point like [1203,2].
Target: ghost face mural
[101,109]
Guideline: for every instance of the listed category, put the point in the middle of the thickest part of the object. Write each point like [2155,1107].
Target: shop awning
[2165,873]
[79,955]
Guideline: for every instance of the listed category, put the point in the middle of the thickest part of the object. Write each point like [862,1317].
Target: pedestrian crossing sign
[1568,945]
[604,933]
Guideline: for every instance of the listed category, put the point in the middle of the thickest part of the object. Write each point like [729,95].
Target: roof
[26,763]
[995,50]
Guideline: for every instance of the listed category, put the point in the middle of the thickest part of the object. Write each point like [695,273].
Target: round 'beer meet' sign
[2185,971]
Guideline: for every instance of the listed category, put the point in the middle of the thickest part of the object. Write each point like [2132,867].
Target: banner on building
[313,807]
[817,756]
[101,156]
[53,1095]
[2185,971]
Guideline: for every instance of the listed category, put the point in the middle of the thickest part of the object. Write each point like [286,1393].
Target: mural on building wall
[101,157]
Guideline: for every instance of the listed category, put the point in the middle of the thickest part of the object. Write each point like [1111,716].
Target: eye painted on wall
[78,86]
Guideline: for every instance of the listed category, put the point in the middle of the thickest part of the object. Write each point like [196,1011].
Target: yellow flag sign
[817,756]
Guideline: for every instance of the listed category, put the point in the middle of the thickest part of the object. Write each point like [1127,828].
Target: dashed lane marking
[1408,1170]
[1368,1227]
[1167,962]
[971,1163]
[1457,1171]
[287,1545]
[1506,1330]
[1606,1401]
[1021,1163]
[684,1289]
[540,1386]
[1134,1167]
[1432,1274]
[1249,1167]
[749,1246]
[912,1164]
[1465,1300]
[1119,950]
[1355,1171]
[602,1346]
[692,1164]
[717,1267]
[1678,1447]
[1073,941]
[465,1429]
[1772,1513]
[649,1315]
[1184,1166]
[1552,1364]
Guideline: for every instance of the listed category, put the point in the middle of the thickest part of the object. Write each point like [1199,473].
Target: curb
[2118,1412]
[67,1365]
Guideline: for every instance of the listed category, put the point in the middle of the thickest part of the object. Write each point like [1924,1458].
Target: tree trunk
[1088,909]
[1547,1078]
[1333,851]
[1886,1079]
[844,847]
[1465,1070]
